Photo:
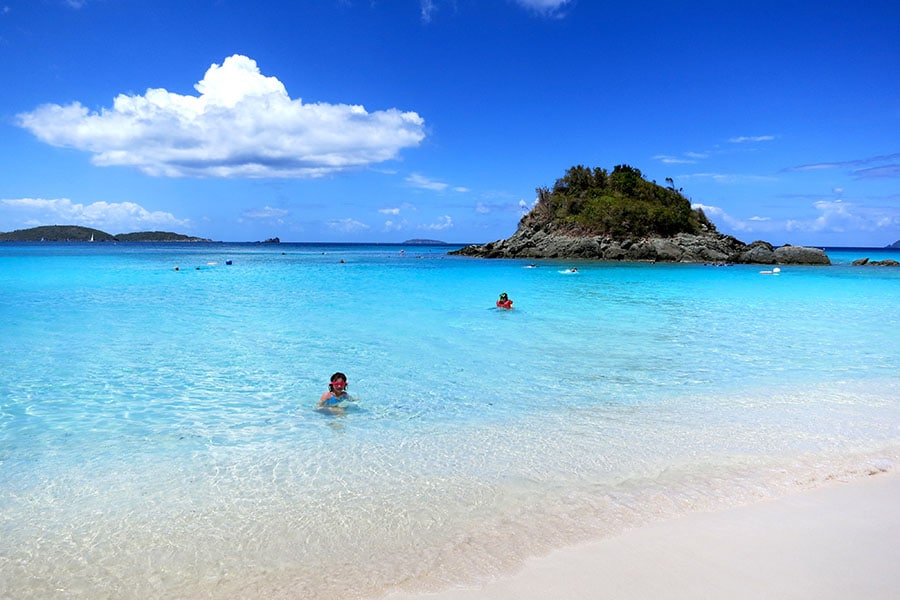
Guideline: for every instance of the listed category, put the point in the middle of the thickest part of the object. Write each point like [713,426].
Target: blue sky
[381,121]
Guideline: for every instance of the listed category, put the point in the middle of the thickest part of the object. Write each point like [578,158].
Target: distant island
[895,245]
[419,242]
[76,233]
[620,216]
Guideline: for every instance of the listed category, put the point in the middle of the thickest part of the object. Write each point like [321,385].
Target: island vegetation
[621,205]
[76,233]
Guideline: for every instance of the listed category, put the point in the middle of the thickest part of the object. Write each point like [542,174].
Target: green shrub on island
[156,236]
[621,205]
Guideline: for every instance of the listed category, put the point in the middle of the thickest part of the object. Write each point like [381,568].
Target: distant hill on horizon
[422,242]
[77,233]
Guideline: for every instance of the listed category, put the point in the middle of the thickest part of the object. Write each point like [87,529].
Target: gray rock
[540,242]
[800,255]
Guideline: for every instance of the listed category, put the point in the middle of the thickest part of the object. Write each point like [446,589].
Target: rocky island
[594,214]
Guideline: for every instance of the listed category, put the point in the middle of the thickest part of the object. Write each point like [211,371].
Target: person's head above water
[338,381]
[504,301]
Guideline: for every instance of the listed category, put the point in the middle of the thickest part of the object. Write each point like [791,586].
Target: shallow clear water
[158,436]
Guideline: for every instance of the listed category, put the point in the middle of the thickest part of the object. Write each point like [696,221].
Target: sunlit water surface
[159,438]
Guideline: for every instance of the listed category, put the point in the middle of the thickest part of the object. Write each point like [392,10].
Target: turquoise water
[159,438]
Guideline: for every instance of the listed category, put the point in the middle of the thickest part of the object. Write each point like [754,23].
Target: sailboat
[92,237]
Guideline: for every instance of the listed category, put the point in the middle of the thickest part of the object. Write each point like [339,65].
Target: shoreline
[832,542]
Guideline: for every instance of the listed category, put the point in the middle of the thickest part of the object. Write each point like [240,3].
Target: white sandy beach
[835,542]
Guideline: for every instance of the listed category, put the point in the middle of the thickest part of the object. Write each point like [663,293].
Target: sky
[390,120]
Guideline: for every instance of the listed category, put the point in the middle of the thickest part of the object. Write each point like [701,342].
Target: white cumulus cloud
[112,217]
[241,124]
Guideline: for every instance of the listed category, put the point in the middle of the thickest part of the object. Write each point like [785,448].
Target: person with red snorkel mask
[337,391]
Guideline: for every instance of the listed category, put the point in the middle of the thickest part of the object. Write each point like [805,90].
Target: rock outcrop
[888,262]
[530,242]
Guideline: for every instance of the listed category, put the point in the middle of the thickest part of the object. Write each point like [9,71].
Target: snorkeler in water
[337,391]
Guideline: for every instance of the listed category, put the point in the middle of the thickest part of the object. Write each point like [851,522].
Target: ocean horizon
[159,435]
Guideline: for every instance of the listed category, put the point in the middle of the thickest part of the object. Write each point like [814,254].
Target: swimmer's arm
[324,399]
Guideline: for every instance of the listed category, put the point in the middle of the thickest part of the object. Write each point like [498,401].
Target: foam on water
[158,436]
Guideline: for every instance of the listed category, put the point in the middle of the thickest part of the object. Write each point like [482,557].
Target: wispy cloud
[555,9]
[241,124]
[674,160]
[425,183]
[743,139]
[347,225]
[266,212]
[831,216]
[886,170]
[873,172]
[391,225]
[113,217]
[442,223]
[550,8]
[504,205]
[684,158]
[427,8]
[730,177]
[420,181]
